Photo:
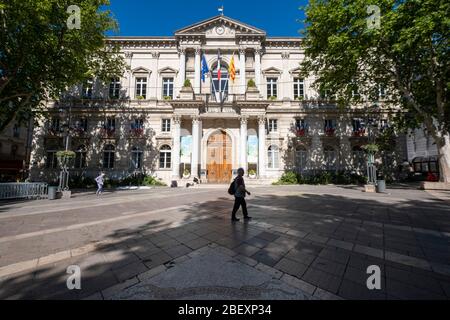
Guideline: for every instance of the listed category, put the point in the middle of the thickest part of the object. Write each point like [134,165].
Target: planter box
[186,93]
[427,185]
[252,94]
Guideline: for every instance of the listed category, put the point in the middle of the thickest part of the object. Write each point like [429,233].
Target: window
[110,124]
[54,124]
[273,125]
[80,157]
[165,157]
[359,158]
[301,128]
[168,87]
[16,131]
[359,127]
[272,156]
[51,161]
[81,125]
[87,88]
[330,126]
[301,156]
[329,158]
[108,156]
[137,124]
[114,88]
[141,87]
[220,86]
[136,158]
[271,87]
[298,88]
[165,126]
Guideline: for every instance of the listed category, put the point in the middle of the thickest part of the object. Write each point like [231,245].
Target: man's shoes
[247,218]
[234,219]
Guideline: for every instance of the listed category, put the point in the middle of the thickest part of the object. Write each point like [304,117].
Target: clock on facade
[220,30]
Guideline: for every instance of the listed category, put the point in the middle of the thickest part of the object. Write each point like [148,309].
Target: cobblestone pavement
[317,239]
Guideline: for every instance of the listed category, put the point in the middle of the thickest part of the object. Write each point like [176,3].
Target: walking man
[100,181]
[239,196]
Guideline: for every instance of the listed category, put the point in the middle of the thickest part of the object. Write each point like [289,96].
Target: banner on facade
[186,149]
[252,145]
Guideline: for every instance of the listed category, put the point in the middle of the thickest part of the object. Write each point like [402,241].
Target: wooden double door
[219,158]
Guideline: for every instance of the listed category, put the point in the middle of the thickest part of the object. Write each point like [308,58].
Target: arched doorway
[219,158]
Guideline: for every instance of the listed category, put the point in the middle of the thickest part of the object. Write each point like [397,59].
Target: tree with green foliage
[42,55]
[403,50]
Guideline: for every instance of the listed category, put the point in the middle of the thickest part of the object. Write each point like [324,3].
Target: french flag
[219,72]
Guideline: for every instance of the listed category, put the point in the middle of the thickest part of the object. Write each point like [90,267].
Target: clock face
[220,30]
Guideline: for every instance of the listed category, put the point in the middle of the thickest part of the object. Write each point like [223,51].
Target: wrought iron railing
[23,190]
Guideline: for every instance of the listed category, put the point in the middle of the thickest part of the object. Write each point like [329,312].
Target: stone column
[258,68]
[243,82]
[176,121]
[129,55]
[197,67]
[243,143]
[262,146]
[182,72]
[195,146]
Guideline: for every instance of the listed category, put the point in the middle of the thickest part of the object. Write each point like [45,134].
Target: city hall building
[150,120]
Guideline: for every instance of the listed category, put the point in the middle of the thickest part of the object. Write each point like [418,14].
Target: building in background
[148,121]
[15,150]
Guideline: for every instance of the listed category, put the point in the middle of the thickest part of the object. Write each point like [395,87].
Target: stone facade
[15,148]
[147,121]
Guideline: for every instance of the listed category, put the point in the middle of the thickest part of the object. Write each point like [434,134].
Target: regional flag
[232,69]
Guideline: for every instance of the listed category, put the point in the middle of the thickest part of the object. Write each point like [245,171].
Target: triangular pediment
[220,26]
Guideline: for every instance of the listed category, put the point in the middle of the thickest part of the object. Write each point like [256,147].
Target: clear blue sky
[163,17]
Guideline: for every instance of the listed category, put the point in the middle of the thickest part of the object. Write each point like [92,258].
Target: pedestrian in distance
[237,188]
[100,181]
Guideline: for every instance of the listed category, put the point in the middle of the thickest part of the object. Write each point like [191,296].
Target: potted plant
[167,98]
[272,98]
[252,173]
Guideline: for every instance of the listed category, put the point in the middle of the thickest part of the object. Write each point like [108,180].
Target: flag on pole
[205,68]
[232,69]
[219,73]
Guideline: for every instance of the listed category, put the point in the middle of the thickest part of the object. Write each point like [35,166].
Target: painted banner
[186,148]
[252,145]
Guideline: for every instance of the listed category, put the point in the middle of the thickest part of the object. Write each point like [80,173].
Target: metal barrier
[21,190]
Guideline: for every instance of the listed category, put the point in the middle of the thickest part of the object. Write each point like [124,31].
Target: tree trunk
[444,158]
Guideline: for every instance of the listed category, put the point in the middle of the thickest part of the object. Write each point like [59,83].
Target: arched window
[329,158]
[136,158]
[108,156]
[359,158]
[80,157]
[301,156]
[272,155]
[222,85]
[165,154]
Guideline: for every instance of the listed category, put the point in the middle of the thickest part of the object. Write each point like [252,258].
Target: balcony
[136,132]
[108,133]
[360,132]
[330,132]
